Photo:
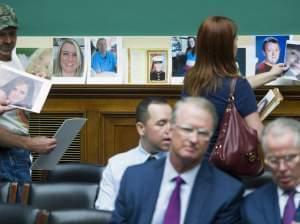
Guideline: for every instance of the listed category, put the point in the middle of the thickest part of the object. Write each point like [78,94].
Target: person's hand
[4,107]
[41,144]
[278,69]
[41,74]
[4,103]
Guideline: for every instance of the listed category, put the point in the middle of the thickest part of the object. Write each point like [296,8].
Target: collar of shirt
[188,176]
[167,187]
[145,155]
[282,198]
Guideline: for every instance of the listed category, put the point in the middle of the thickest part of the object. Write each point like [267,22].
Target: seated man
[183,187]
[153,116]
[276,202]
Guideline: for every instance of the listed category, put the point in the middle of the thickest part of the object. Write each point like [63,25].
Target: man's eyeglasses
[289,160]
[201,132]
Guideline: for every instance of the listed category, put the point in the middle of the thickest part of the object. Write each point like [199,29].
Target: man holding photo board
[15,142]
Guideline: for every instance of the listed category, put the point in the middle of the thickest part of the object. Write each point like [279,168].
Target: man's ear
[140,127]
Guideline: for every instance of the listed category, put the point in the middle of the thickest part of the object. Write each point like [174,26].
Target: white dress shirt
[166,188]
[113,173]
[282,197]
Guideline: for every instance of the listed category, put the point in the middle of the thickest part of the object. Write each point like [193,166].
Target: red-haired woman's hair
[215,56]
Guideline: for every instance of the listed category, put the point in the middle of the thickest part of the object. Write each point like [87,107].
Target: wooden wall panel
[110,110]
[119,134]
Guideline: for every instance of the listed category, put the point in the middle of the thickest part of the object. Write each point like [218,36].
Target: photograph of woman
[190,53]
[36,61]
[183,54]
[68,58]
[39,63]
[19,92]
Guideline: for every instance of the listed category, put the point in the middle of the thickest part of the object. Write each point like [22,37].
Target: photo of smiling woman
[19,91]
[69,60]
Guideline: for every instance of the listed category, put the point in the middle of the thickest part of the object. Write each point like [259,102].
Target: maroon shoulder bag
[237,150]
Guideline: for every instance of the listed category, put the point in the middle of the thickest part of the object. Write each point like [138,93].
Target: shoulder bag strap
[232,89]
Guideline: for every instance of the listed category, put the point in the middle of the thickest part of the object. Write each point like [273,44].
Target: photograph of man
[292,60]
[269,51]
[157,72]
[104,58]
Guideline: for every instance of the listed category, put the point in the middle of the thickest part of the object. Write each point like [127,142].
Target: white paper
[64,137]
[138,66]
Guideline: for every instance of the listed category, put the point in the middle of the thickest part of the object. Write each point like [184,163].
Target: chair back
[79,216]
[17,213]
[8,192]
[54,196]
[75,172]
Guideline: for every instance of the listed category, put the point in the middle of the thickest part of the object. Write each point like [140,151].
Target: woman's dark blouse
[245,102]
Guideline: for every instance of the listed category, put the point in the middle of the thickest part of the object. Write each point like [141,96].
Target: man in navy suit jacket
[281,144]
[207,194]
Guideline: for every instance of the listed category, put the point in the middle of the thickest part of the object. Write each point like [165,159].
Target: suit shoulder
[260,192]
[225,179]
[145,168]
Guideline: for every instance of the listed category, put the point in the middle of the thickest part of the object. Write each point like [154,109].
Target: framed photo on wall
[157,66]
[105,60]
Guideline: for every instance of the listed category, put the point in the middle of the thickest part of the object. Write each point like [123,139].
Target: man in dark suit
[276,202]
[181,188]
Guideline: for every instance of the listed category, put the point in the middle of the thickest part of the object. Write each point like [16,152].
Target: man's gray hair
[200,103]
[280,127]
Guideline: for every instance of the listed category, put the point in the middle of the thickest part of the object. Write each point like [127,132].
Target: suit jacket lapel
[149,199]
[199,195]
[272,214]
[297,217]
